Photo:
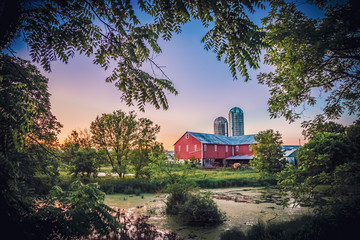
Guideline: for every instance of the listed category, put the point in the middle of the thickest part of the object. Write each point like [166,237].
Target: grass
[226,174]
[229,178]
[218,178]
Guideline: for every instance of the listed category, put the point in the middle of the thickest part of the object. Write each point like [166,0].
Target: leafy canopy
[328,171]
[114,133]
[144,144]
[28,167]
[27,127]
[111,32]
[318,125]
[309,55]
[25,106]
[313,55]
[80,156]
[126,140]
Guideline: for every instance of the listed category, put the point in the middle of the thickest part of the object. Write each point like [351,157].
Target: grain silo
[221,126]
[236,122]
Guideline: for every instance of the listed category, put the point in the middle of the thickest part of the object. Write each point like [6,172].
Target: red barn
[213,149]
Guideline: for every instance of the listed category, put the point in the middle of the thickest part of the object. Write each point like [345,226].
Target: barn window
[237,148]
[195,147]
[187,136]
[215,147]
[187,148]
[226,148]
[179,148]
[205,147]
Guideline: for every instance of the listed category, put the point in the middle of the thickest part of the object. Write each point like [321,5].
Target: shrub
[178,194]
[200,210]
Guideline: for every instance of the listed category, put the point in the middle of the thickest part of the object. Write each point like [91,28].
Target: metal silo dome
[236,121]
[221,126]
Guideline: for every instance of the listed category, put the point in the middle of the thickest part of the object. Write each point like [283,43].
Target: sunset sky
[206,91]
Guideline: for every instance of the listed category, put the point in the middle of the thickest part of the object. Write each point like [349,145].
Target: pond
[243,207]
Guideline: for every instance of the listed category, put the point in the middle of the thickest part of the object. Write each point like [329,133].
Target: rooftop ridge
[225,140]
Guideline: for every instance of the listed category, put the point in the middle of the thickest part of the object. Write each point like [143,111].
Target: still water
[243,207]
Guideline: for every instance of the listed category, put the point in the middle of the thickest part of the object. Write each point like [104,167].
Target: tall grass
[230,178]
[221,178]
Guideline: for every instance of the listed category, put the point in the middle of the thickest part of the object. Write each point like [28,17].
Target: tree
[308,54]
[82,213]
[318,125]
[268,153]
[312,55]
[353,133]
[115,131]
[79,139]
[130,140]
[25,107]
[27,161]
[27,129]
[327,160]
[144,143]
[85,162]
[79,154]
[27,126]
[58,29]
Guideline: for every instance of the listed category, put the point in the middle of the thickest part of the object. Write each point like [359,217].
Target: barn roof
[240,157]
[290,147]
[290,153]
[220,139]
[290,150]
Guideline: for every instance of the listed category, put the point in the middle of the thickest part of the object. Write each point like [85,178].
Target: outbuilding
[290,152]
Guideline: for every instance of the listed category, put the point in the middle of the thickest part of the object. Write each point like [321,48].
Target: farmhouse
[213,149]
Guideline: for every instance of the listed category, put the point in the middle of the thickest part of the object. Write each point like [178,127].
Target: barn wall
[210,152]
[221,152]
[244,150]
[190,142]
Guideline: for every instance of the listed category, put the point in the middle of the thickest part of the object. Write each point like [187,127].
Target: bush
[178,194]
[192,209]
[200,210]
